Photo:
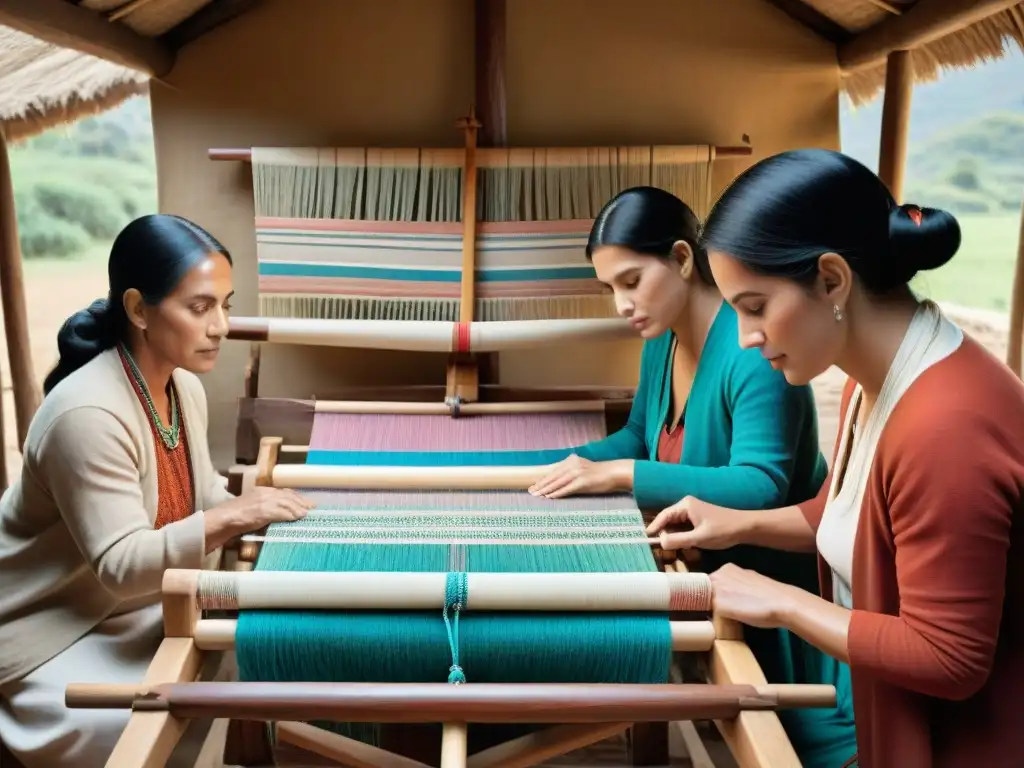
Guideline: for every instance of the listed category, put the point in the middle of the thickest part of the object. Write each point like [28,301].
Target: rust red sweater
[936,637]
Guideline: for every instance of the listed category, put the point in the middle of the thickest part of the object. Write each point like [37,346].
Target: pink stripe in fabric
[484,432]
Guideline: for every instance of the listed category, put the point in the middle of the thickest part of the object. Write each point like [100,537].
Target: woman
[117,486]
[750,442]
[918,531]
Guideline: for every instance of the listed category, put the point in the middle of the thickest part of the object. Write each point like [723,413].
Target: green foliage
[81,184]
[975,167]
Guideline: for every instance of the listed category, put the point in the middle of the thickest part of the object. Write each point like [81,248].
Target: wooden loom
[737,697]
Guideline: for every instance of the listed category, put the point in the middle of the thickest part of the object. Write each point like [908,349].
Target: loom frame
[755,738]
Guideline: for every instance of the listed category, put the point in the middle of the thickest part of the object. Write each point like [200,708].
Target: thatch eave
[987,40]
[43,86]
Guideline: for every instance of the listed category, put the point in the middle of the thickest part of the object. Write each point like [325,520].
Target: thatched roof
[46,83]
[42,86]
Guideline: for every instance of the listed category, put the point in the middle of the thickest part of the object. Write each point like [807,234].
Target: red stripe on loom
[463,339]
[482,432]
[689,597]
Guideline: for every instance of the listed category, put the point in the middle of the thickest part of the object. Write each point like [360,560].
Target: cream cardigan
[76,529]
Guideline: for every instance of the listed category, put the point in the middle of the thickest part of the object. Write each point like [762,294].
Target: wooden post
[899,86]
[12,291]
[1013,350]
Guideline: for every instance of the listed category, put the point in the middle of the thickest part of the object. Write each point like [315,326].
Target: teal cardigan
[751,439]
[750,442]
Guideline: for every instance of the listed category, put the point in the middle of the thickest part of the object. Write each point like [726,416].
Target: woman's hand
[262,506]
[252,511]
[713,527]
[750,598]
[575,475]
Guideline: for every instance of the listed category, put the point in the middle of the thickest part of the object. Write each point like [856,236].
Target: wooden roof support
[925,22]
[12,292]
[899,89]
[69,26]
[1013,351]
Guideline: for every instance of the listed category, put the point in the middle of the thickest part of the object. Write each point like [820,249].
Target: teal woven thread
[411,646]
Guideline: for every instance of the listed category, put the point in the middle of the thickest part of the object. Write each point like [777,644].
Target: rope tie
[454,599]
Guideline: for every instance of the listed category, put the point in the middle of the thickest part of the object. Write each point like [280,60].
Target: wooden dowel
[505,478]
[466,409]
[239,154]
[411,591]
[427,335]
[443,702]
[686,636]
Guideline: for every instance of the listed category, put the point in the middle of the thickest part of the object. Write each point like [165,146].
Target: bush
[93,208]
[42,234]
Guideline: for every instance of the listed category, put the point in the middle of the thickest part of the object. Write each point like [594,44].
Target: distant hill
[966,138]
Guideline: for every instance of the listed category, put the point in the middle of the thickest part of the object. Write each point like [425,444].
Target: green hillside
[78,185]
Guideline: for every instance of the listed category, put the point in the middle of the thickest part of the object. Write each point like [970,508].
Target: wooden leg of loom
[150,737]
[544,745]
[463,379]
[343,751]
[454,745]
[756,739]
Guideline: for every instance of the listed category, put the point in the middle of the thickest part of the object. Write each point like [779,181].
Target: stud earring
[837,312]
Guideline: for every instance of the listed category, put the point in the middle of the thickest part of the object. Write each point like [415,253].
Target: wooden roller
[401,591]
[444,702]
[686,636]
[506,478]
[427,336]
[466,409]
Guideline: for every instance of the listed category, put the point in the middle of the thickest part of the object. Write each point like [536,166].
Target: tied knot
[454,599]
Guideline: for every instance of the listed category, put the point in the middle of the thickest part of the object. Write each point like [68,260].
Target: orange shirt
[936,638]
[173,466]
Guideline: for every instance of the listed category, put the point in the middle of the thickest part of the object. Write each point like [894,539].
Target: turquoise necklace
[169,435]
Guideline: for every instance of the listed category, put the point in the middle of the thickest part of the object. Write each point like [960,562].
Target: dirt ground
[54,290]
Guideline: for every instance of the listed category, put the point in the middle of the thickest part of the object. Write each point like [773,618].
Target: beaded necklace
[169,435]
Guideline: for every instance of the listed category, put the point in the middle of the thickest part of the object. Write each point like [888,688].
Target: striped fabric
[422,260]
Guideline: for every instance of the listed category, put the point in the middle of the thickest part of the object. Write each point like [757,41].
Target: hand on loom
[750,598]
[575,475]
[714,527]
[252,511]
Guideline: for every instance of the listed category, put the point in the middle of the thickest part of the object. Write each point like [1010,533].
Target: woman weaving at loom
[116,487]
[920,545]
[750,440]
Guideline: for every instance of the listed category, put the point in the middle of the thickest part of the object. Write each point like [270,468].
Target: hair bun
[923,238]
[86,333]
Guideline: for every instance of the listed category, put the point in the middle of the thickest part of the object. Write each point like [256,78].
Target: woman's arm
[952,492]
[87,461]
[770,419]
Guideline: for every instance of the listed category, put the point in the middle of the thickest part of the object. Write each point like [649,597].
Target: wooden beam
[68,26]
[899,89]
[814,20]
[491,106]
[1013,351]
[205,20]
[924,23]
[27,394]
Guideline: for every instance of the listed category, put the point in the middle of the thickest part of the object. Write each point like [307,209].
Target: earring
[837,312]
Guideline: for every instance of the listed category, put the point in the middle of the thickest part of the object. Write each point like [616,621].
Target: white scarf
[929,339]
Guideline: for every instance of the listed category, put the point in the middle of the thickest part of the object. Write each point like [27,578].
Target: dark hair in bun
[650,221]
[783,213]
[152,255]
